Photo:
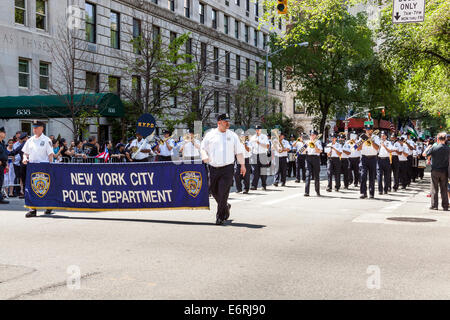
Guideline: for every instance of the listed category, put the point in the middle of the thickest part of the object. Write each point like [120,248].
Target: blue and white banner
[116,186]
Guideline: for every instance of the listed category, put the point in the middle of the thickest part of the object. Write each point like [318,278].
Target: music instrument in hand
[365,139]
[187,137]
[311,144]
[163,141]
[137,150]
[276,141]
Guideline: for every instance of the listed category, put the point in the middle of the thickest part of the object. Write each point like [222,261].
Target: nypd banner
[115,186]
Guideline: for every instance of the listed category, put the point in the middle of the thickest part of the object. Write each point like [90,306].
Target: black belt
[383,157]
[312,155]
[369,156]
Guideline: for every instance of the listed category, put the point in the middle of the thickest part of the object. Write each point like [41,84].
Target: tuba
[276,141]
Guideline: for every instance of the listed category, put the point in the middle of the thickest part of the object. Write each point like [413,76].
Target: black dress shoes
[30,214]
[49,211]
[219,222]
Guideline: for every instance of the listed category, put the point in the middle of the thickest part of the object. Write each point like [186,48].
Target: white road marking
[268,203]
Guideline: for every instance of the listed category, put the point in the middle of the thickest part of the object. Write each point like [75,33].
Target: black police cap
[314,132]
[23,135]
[223,116]
[37,123]
[258,127]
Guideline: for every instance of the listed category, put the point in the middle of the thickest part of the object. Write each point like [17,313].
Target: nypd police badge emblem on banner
[192,182]
[40,183]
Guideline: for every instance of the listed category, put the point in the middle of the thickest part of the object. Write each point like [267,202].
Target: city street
[278,245]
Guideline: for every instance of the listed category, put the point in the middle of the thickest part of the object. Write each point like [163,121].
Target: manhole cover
[409,219]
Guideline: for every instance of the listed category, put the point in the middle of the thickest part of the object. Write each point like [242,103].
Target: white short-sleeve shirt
[259,148]
[383,153]
[348,148]
[164,151]
[285,145]
[189,149]
[38,149]
[221,147]
[369,150]
[334,154]
[312,151]
[140,144]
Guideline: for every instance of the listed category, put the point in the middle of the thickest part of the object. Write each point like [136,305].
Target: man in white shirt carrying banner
[219,148]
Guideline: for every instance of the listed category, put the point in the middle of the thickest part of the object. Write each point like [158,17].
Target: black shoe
[275,184]
[372,196]
[386,192]
[337,189]
[445,209]
[283,184]
[238,191]
[228,212]
[318,194]
[297,181]
[49,211]
[328,189]
[433,208]
[346,188]
[245,192]
[30,214]
[380,193]
[253,188]
[219,222]
[264,188]
[3,201]
[395,189]
[306,195]
[363,196]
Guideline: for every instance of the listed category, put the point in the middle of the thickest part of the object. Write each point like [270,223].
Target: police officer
[313,152]
[281,155]
[384,164]
[190,149]
[219,149]
[38,148]
[260,161]
[354,158]
[141,155]
[166,147]
[333,151]
[369,150]
[292,167]
[410,148]
[238,178]
[395,161]
[301,159]
[345,163]
[3,163]
[402,152]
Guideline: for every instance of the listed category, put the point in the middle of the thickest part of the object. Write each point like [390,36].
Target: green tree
[281,121]
[248,103]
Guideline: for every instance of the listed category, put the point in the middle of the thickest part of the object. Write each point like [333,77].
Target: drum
[291,156]
[422,164]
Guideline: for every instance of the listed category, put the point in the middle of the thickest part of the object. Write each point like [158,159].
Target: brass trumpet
[187,137]
[163,141]
[243,139]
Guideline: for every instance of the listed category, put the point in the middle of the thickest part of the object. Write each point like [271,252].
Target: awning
[55,106]
[358,123]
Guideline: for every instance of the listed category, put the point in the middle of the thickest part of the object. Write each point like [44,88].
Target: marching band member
[354,158]
[238,178]
[395,166]
[219,148]
[166,147]
[402,152]
[420,150]
[281,159]
[37,149]
[143,154]
[260,145]
[410,146]
[190,148]
[369,150]
[313,162]
[384,164]
[301,159]
[292,167]
[345,163]
[334,151]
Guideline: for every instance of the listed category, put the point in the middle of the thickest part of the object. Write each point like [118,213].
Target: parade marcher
[333,151]
[313,152]
[300,159]
[354,158]
[402,152]
[415,160]
[260,160]
[345,162]
[238,178]
[190,147]
[38,148]
[439,171]
[281,155]
[292,161]
[384,164]
[144,152]
[420,158]
[219,148]
[3,162]
[395,166]
[411,146]
[369,150]
[166,146]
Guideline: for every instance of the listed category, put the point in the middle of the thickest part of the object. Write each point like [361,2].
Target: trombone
[163,141]
[188,138]
[277,141]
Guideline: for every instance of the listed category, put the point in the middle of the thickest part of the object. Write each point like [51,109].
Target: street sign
[408,11]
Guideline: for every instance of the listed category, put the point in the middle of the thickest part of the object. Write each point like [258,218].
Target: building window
[225,23]
[90,23]
[238,67]
[247,5]
[92,83]
[173,101]
[187,8]
[264,41]
[255,37]
[115,30]
[114,85]
[203,55]
[280,24]
[257,8]
[247,68]
[189,50]
[216,62]
[216,101]
[156,35]
[280,85]
[228,102]
[44,75]
[136,35]
[227,65]
[246,33]
[41,14]
[201,12]
[273,79]
[237,2]
[24,73]
[236,29]
[136,87]
[214,18]
[299,108]
[257,72]
[20,12]
[172,5]
[155,1]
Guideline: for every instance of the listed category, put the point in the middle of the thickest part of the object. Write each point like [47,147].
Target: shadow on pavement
[228,223]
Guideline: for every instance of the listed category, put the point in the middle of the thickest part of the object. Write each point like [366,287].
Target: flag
[410,129]
[104,155]
[392,126]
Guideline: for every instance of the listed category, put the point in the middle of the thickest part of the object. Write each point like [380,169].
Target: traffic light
[282,6]
[383,113]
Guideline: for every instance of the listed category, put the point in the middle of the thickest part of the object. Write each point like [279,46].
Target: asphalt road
[279,245]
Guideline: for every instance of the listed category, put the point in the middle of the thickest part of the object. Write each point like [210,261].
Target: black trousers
[354,171]
[368,167]
[2,179]
[238,178]
[260,166]
[439,180]
[292,168]
[403,173]
[282,169]
[17,180]
[334,169]
[395,167]
[383,174]
[221,180]
[23,175]
[301,165]
[312,171]
[164,158]
[409,171]
[345,170]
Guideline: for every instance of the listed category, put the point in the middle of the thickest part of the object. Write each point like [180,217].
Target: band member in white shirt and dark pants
[260,161]
[219,148]
[313,162]
[190,149]
[333,151]
[384,164]
[369,150]
[238,178]
[281,157]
